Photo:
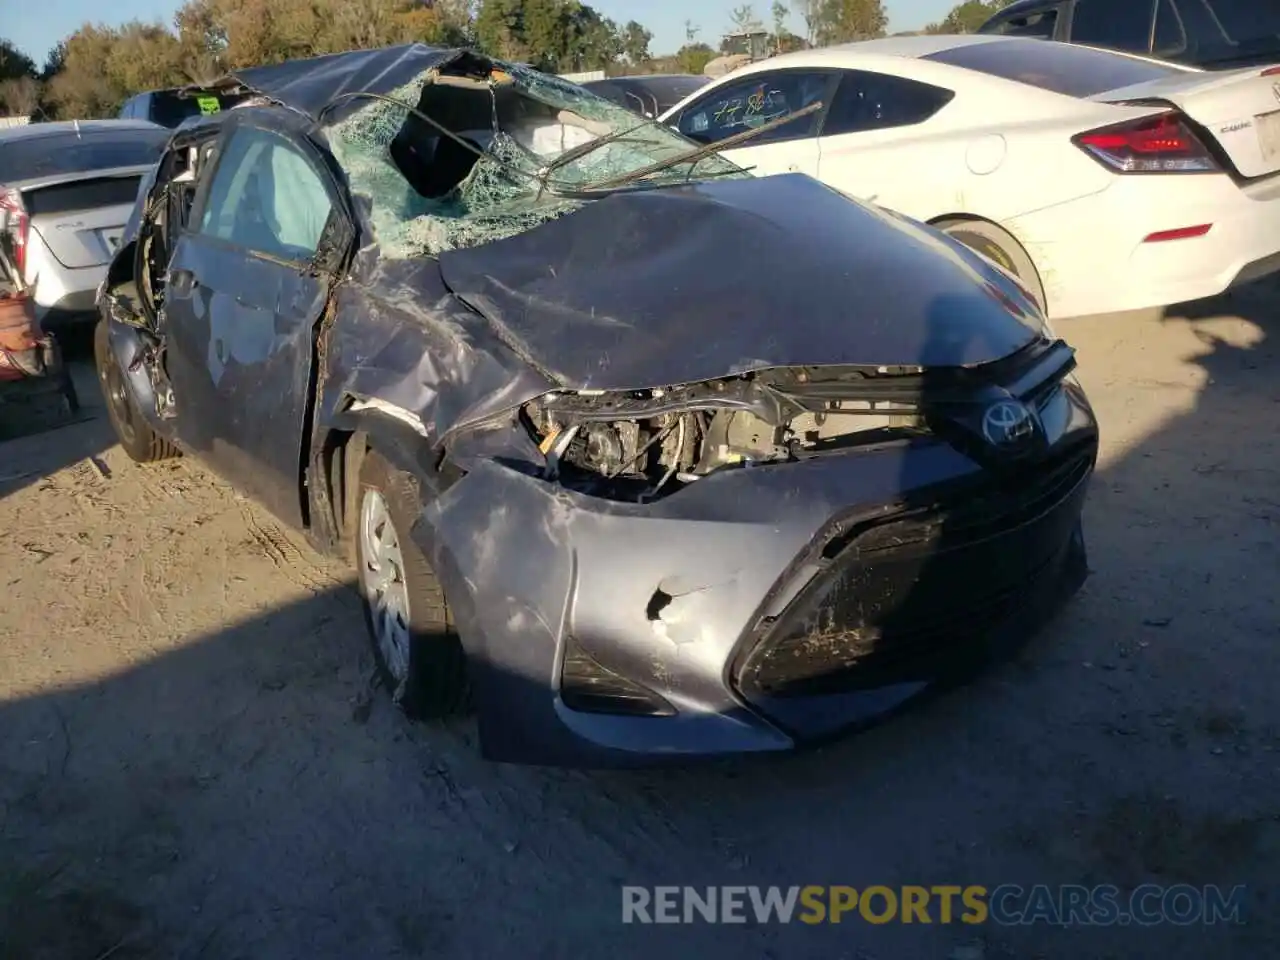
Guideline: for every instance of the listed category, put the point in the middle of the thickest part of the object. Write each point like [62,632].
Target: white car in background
[66,192]
[1102,180]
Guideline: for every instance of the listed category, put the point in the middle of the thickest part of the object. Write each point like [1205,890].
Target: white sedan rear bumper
[1094,255]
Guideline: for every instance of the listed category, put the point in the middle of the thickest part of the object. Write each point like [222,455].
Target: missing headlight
[641,445]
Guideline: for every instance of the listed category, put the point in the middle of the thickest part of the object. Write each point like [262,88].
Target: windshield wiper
[591,192]
[693,156]
[582,149]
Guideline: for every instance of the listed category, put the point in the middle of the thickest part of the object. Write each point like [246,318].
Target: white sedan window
[755,101]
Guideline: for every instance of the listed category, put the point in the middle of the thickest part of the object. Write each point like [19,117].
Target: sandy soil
[193,763]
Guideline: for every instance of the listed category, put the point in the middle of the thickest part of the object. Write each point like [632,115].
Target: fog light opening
[588,687]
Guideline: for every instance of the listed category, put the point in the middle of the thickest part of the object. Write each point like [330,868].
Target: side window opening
[755,101]
[179,174]
[267,197]
[1169,38]
[1120,26]
[1233,32]
[874,101]
[1040,24]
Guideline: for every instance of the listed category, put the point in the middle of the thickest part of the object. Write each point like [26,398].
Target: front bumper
[766,606]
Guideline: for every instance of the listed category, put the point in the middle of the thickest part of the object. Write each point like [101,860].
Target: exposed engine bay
[641,445]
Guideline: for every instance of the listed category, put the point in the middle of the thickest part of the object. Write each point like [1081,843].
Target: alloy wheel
[383,583]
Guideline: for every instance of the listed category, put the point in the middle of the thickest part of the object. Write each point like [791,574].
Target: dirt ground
[193,763]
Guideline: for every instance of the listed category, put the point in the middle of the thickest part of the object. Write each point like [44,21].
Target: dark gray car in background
[1211,34]
[654,458]
[649,96]
[174,106]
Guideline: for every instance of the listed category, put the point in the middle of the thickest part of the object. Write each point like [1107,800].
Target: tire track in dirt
[298,564]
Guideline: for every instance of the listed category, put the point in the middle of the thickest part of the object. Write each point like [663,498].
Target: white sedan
[1103,181]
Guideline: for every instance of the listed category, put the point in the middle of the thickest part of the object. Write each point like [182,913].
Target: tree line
[94,70]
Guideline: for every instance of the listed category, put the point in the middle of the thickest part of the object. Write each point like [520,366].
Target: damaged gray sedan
[641,455]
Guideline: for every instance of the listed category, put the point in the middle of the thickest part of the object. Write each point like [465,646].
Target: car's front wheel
[139,441]
[415,646]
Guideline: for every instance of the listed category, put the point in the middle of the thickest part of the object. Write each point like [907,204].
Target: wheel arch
[942,220]
[126,345]
[339,453]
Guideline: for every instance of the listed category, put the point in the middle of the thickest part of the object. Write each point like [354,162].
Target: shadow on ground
[1135,740]
[30,452]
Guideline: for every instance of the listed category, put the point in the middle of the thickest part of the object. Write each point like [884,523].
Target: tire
[65,381]
[69,392]
[415,645]
[136,438]
[1000,247]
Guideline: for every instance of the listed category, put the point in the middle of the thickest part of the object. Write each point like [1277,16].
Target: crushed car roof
[311,85]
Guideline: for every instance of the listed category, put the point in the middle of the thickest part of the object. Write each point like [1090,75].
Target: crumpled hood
[690,283]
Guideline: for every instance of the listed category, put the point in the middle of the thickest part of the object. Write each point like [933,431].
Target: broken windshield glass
[429,193]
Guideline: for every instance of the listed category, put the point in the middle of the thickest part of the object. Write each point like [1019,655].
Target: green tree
[812,12]
[783,40]
[694,57]
[743,19]
[103,66]
[54,61]
[14,64]
[217,35]
[499,28]
[844,21]
[780,14]
[555,35]
[594,41]
[634,40]
[968,16]
[95,69]
[19,86]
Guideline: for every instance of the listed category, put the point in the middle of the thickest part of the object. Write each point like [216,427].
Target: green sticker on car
[208,105]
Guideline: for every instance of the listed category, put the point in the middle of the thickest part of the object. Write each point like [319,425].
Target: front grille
[897,600]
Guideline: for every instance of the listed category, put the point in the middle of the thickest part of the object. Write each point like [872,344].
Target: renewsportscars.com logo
[1006,905]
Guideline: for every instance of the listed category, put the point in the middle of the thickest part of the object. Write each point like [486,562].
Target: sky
[36,34]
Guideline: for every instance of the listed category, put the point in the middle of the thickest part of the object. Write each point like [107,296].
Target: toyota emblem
[1007,423]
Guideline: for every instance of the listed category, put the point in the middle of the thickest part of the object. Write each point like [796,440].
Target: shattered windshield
[532,145]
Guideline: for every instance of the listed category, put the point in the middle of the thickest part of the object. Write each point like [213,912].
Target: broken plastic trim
[400,414]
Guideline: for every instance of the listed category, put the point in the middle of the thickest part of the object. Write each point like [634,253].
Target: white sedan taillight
[1161,144]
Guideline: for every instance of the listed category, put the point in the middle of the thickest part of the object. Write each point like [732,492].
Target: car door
[248,281]
[878,142]
[755,100]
